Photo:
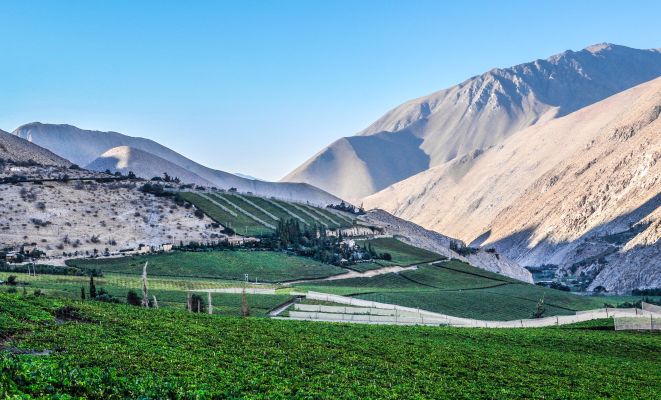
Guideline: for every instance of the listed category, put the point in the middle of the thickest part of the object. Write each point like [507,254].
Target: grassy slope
[172,354]
[402,253]
[458,289]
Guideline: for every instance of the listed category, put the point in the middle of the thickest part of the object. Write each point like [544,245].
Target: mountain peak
[599,47]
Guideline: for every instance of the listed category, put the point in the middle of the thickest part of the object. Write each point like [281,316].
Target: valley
[496,239]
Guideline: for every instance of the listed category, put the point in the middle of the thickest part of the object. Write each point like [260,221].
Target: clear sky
[259,87]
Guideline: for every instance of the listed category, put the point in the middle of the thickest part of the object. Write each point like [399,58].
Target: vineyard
[263,266]
[258,216]
[401,253]
[458,289]
[98,350]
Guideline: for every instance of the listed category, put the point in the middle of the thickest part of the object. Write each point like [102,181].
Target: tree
[540,309]
[132,298]
[82,293]
[92,288]
[245,308]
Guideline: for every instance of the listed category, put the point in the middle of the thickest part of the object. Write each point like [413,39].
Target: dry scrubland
[83,216]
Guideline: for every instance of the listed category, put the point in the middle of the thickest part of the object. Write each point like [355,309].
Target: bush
[133,299]
[11,280]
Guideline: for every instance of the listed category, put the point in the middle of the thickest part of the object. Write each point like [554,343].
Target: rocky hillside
[441,244]
[124,159]
[581,192]
[83,147]
[84,217]
[473,116]
[21,151]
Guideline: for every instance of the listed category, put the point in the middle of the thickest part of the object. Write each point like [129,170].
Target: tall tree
[92,288]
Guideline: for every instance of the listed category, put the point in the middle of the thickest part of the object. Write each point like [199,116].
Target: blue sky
[259,87]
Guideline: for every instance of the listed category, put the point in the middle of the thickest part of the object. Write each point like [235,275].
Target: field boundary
[407,315]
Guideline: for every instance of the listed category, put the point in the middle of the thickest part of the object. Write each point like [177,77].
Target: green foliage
[540,309]
[202,356]
[92,289]
[455,288]
[132,298]
[265,266]
[400,253]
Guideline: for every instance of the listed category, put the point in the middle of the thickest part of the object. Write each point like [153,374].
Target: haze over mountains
[472,116]
[146,158]
[19,150]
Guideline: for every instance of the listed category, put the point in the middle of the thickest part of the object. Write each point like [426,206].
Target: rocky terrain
[441,244]
[21,151]
[580,192]
[84,217]
[124,159]
[473,116]
[86,148]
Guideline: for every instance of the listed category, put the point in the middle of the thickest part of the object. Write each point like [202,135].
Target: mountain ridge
[478,113]
[83,147]
[556,193]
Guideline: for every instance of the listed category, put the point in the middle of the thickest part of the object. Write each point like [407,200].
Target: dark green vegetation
[265,266]
[456,288]
[241,207]
[401,253]
[104,351]
[170,292]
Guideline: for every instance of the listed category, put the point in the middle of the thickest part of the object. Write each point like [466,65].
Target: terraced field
[258,216]
[175,354]
[225,215]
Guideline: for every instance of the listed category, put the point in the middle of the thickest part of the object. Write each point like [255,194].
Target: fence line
[428,317]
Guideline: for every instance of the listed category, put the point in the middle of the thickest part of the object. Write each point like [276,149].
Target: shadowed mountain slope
[474,115]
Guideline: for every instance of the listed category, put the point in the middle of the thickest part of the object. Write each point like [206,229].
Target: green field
[106,351]
[240,223]
[170,292]
[263,266]
[244,225]
[402,253]
[457,289]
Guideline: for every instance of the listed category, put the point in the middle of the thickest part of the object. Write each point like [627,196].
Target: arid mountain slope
[84,147]
[19,150]
[577,192]
[124,159]
[472,116]
[86,217]
[441,244]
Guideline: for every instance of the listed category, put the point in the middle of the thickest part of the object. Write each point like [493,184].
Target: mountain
[124,159]
[473,116]
[19,150]
[582,192]
[84,147]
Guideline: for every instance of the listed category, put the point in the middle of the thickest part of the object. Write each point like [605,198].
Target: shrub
[133,299]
